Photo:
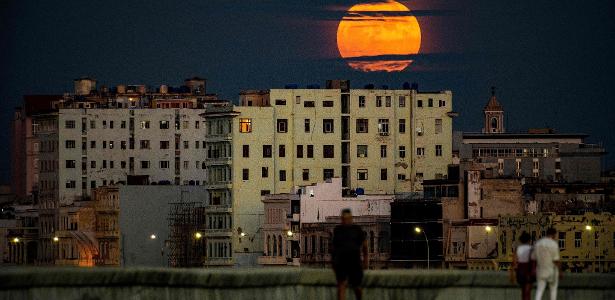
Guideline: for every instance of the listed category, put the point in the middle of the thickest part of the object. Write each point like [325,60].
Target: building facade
[376,141]
[298,226]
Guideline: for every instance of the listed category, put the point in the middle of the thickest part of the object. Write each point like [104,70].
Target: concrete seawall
[283,283]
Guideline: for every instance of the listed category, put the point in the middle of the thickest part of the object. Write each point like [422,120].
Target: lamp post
[419,230]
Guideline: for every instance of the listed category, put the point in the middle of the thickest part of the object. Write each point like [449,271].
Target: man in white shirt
[546,254]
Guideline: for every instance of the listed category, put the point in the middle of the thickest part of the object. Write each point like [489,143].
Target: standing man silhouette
[348,243]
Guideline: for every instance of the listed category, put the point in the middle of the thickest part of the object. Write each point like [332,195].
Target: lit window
[362,174]
[245,125]
[361,150]
[362,125]
[383,126]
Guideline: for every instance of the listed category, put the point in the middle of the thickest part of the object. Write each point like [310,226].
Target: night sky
[551,61]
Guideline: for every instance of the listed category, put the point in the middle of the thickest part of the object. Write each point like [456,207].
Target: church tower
[494,115]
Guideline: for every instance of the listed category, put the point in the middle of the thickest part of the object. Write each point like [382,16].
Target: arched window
[280,245]
[275,246]
[268,252]
[494,123]
[371,242]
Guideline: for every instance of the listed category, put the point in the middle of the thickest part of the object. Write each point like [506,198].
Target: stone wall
[287,283]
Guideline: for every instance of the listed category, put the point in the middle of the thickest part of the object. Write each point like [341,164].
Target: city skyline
[543,78]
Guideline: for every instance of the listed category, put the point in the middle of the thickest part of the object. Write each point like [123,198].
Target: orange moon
[366,31]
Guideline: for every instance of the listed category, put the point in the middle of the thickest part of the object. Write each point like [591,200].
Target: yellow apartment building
[378,141]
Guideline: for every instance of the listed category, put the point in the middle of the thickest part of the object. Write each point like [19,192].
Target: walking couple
[539,263]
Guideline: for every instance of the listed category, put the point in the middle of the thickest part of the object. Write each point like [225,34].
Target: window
[299,151]
[327,103]
[264,172]
[430,102]
[438,150]
[282,125]
[70,144]
[383,126]
[420,151]
[71,184]
[69,124]
[267,151]
[362,125]
[361,101]
[92,124]
[104,145]
[186,146]
[281,151]
[70,164]
[562,240]
[104,164]
[378,101]
[402,125]
[164,144]
[362,174]
[164,164]
[110,124]
[306,174]
[111,164]
[280,101]
[185,125]
[93,164]
[245,125]
[306,125]
[92,144]
[282,175]
[144,124]
[327,125]
[110,144]
[327,174]
[144,144]
[123,164]
[438,126]
[361,150]
[402,101]
[245,151]
[383,174]
[144,164]
[441,103]
[310,151]
[196,124]
[123,145]
[419,177]
[402,151]
[186,166]
[387,101]
[265,192]
[164,124]
[104,122]
[578,239]
[401,176]
[419,103]
[328,151]
[383,151]
[245,174]
[308,104]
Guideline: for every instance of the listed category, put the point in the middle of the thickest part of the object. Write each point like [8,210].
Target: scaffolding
[186,247]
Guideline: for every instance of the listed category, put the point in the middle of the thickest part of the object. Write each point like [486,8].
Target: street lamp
[152,237]
[15,240]
[289,233]
[198,235]
[488,228]
[418,230]
[56,239]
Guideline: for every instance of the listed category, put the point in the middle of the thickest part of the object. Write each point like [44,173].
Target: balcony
[218,261]
[272,260]
[213,138]
[218,209]
[218,232]
[218,185]
[217,161]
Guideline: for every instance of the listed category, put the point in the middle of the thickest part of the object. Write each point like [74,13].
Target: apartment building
[377,141]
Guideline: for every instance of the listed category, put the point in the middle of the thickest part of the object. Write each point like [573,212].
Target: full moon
[368,31]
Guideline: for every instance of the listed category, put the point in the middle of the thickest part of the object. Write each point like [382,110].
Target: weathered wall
[287,283]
